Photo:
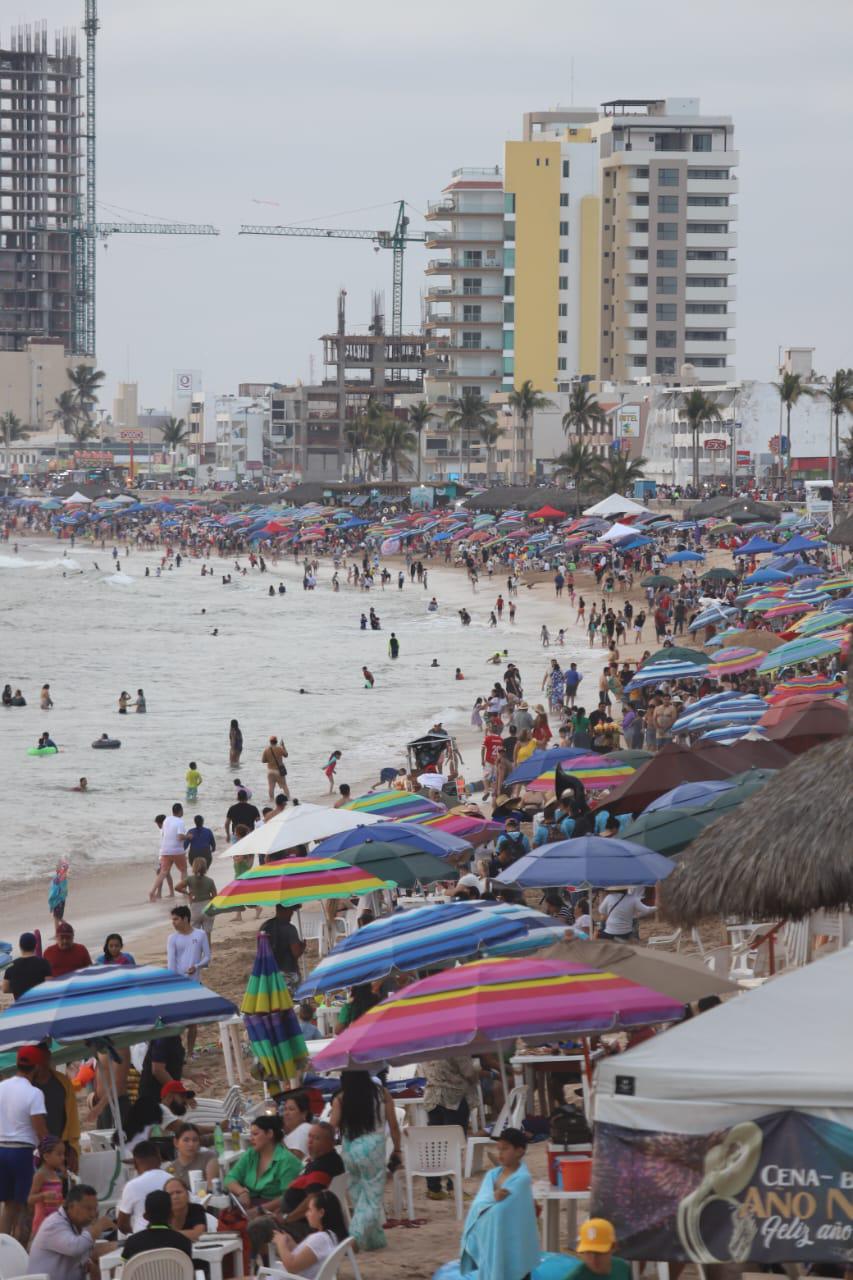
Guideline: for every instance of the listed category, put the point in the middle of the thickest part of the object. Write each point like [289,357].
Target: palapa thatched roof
[842,533]
[522,497]
[785,852]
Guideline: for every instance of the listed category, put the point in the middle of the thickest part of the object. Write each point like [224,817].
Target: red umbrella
[548,513]
[800,728]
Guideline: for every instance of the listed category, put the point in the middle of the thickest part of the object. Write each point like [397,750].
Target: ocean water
[91,629]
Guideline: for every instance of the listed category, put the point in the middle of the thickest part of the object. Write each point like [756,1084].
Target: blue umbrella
[768,575]
[799,543]
[732,733]
[680,557]
[658,672]
[787,655]
[421,939]
[757,547]
[119,1003]
[541,761]
[690,793]
[589,860]
[713,617]
[807,571]
[426,839]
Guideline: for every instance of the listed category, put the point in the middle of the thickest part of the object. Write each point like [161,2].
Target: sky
[282,112]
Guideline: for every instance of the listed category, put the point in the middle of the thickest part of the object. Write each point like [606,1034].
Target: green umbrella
[630,757]
[718,574]
[403,864]
[659,580]
[677,653]
[668,831]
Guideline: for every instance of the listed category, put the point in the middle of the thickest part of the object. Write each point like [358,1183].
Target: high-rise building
[667,177]
[40,186]
[465,287]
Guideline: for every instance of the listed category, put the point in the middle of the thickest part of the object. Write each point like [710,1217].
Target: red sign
[743,457]
[715,445]
[92,455]
[774,444]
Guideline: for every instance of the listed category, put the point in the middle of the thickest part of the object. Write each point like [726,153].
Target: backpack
[568,1126]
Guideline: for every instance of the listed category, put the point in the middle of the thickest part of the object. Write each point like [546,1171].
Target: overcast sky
[335,108]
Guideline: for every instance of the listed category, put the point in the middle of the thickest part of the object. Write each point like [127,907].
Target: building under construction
[40,187]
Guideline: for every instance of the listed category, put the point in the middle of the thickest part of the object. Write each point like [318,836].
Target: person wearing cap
[596,1245]
[65,955]
[500,1240]
[23,1124]
[27,971]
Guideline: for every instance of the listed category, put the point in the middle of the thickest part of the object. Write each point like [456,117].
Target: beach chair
[511,1115]
[328,1271]
[104,1171]
[160,1264]
[434,1151]
[13,1258]
[212,1111]
[666,940]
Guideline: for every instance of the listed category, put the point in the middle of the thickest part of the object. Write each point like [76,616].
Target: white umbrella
[299,825]
[616,505]
[76,499]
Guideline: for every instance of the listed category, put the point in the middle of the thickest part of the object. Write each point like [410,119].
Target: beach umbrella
[799,543]
[658,580]
[399,863]
[676,653]
[659,672]
[672,765]
[115,1003]
[819,622]
[733,733]
[835,584]
[536,764]
[292,882]
[599,861]
[718,574]
[689,793]
[414,835]
[683,978]
[474,830]
[423,938]
[475,1007]
[669,831]
[757,547]
[596,772]
[302,824]
[712,617]
[807,571]
[391,805]
[683,557]
[753,639]
[767,574]
[732,660]
[813,686]
[785,608]
[272,1027]
[800,728]
[805,650]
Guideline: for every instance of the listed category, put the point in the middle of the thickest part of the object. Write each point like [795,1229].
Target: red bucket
[575,1173]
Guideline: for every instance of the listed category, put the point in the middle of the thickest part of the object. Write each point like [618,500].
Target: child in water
[330,768]
[58,892]
[193,780]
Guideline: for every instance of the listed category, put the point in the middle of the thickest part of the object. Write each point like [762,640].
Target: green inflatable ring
[43,751]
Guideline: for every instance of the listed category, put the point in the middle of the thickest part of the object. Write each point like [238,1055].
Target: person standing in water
[274,756]
[193,780]
[330,767]
[141,705]
[393,647]
[369,679]
[45,701]
[235,744]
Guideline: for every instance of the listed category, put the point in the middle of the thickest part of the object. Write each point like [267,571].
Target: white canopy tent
[300,825]
[77,499]
[617,505]
[617,531]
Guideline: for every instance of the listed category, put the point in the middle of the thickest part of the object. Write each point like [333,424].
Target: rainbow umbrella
[798,686]
[819,622]
[490,1002]
[836,584]
[475,831]
[595,772]
[810,647]
[785,608]
[294,881]
[270,1020]
[395,804]
[730,661]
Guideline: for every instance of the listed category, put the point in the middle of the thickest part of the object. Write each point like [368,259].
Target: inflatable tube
[106,744]
[43,751]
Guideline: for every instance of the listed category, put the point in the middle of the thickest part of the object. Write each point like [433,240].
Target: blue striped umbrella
[799,651]
[658,672]
[411,834]
[109,1002]
[732,733]
[423,937]
[541,761]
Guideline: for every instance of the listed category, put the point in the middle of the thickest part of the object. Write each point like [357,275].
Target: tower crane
[395,240]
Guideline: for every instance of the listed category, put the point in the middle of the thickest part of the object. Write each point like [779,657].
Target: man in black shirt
[163,1062]
[287,946]
[158,1234]
[241,814]
[27,971]
[320,1169]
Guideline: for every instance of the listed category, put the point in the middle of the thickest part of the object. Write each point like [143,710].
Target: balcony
[635,347]
[712,213]
[441,209]
[446,266]
[638,186]
[693,348]
[711,239]
[712,186]
[693,321]
[447,239]
[722,294]
[701,268]
[635,240]
[637,293]
[456,322]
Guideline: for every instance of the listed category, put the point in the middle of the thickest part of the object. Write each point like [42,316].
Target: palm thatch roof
[842,533]
[737,509]
[520,497]
[784,853]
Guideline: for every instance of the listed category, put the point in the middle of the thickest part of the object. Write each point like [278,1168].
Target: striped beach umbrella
[294,881]
[416,835]
[490,1002]
[819,622]
[474,831]
[595,772]
[805,650]
[815,686]
[600,861]
[392,805]
[730,661]
[659,672]
[119,1003]
[272,1026]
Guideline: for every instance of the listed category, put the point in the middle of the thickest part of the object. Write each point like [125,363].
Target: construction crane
[395,240]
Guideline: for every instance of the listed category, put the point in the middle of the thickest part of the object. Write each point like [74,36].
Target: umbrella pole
[502,1065]
[112,1090]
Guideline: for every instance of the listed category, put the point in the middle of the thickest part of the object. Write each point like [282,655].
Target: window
[639,335]
[509,364]
[564,228]
[665,364]
[472,391]
[665,338]
[509,312]
[666,311]
[640,255]
[667,177]
[701,142]
[707,255]
[707,362]
[705,335]
[509,202]
[509,231]
[562,335]
[667,204]
[667,284]
[472,258]
[641,172]
[562,282]
[509,286]
[562,309]
[472,286]
[640,282]
[707,228]
[564,199]
[561,364]
[640,308]
[564,255]
[707,282]
[667,231]
[472,313]
[641,202]
[706,308]
[641,227]
[565,168]
[509,257]
[667,257]
[669,142]
[638,362]
[508,340]
[708,202]
[708,175]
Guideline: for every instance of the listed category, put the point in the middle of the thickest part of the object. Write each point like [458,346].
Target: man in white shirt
[23,1124]
[172,851]
[619,910]
[149,1177]
[187,952]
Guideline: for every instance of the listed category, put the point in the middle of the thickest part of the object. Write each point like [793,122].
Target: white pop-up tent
[617,531]
[617,505]
[749,1107]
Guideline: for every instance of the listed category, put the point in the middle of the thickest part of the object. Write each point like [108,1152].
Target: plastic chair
[328,1271]
[665,940]
[13,1258]
[159,1264]
[211,1111]
[510,1116]
[434,1152]
[104,1171]
[339,1186]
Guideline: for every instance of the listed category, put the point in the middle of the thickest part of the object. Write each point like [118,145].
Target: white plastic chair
[510,1116]
[159,1264]
[211,1111]
[104,1171]
[434,1152]
[339,1187]
[665,940]
[13,1258]
[328,1271]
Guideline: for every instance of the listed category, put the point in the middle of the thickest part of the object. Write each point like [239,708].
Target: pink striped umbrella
[730,661]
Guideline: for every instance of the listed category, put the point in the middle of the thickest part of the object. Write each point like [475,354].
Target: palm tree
[65,412]
[469,415]
[11,429]
[839,393]
[698,408]
[490,434]
[397,442]
[848,464]
[364,437]
[525,400]
[420,415]
[618,472]
[86,383]
[580,464]
[175,433]
[790,389]
[584,411]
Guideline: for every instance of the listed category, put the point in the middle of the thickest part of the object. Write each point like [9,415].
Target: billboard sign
[716,445]
[131,435]
[628,421]
[744,457]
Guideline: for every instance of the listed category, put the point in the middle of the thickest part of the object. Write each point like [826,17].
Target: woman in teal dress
[360,1112]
